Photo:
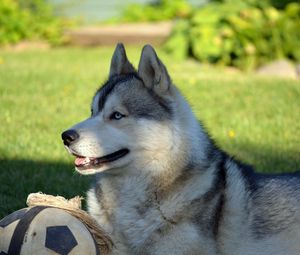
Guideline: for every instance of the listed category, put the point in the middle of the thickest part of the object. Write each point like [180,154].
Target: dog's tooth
[79,161]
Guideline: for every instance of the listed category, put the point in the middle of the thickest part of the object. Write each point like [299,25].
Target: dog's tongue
[79,161]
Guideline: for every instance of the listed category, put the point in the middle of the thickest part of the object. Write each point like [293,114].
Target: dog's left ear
[153,72]
[119,62]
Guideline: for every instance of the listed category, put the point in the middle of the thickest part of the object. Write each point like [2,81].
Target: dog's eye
[116,116]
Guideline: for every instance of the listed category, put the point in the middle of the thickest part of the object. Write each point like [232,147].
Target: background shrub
[157,11]
[29,19]
[244,34]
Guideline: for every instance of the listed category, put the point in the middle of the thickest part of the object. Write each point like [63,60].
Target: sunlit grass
[44,92]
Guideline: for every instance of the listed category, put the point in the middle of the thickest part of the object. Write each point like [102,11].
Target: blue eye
[116,116]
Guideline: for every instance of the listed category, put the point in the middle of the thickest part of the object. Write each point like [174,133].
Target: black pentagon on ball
[60,239]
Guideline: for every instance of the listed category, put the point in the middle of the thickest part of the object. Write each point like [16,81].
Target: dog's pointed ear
[119,62]
[153,72]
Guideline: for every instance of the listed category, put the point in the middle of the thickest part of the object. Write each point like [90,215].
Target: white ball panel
[6,235]
[35,240]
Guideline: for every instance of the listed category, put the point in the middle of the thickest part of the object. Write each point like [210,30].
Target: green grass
[44,92]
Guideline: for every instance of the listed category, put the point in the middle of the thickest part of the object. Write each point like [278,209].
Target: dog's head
[131,117]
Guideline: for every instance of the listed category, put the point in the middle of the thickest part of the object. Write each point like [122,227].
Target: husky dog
[161,184]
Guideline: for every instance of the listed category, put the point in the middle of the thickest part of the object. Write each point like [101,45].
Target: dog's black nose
[69,136]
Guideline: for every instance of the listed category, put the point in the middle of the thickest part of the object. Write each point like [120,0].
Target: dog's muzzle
[69,137]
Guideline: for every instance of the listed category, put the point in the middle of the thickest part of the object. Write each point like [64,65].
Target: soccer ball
[45,230]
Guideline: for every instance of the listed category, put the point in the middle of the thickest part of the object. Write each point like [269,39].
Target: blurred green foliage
[244,34]
[157,11]
[237,33]
[29,19]
[279,4]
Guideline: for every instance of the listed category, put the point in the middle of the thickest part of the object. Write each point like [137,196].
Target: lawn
[44,92]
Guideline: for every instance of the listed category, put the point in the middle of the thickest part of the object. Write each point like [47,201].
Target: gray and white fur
[161,184]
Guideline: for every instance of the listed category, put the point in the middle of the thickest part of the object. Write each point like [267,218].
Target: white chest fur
[139,222]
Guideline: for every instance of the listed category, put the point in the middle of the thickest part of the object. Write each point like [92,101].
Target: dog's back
[263,213]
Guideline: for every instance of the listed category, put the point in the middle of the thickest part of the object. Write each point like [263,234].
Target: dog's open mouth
[83,163]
